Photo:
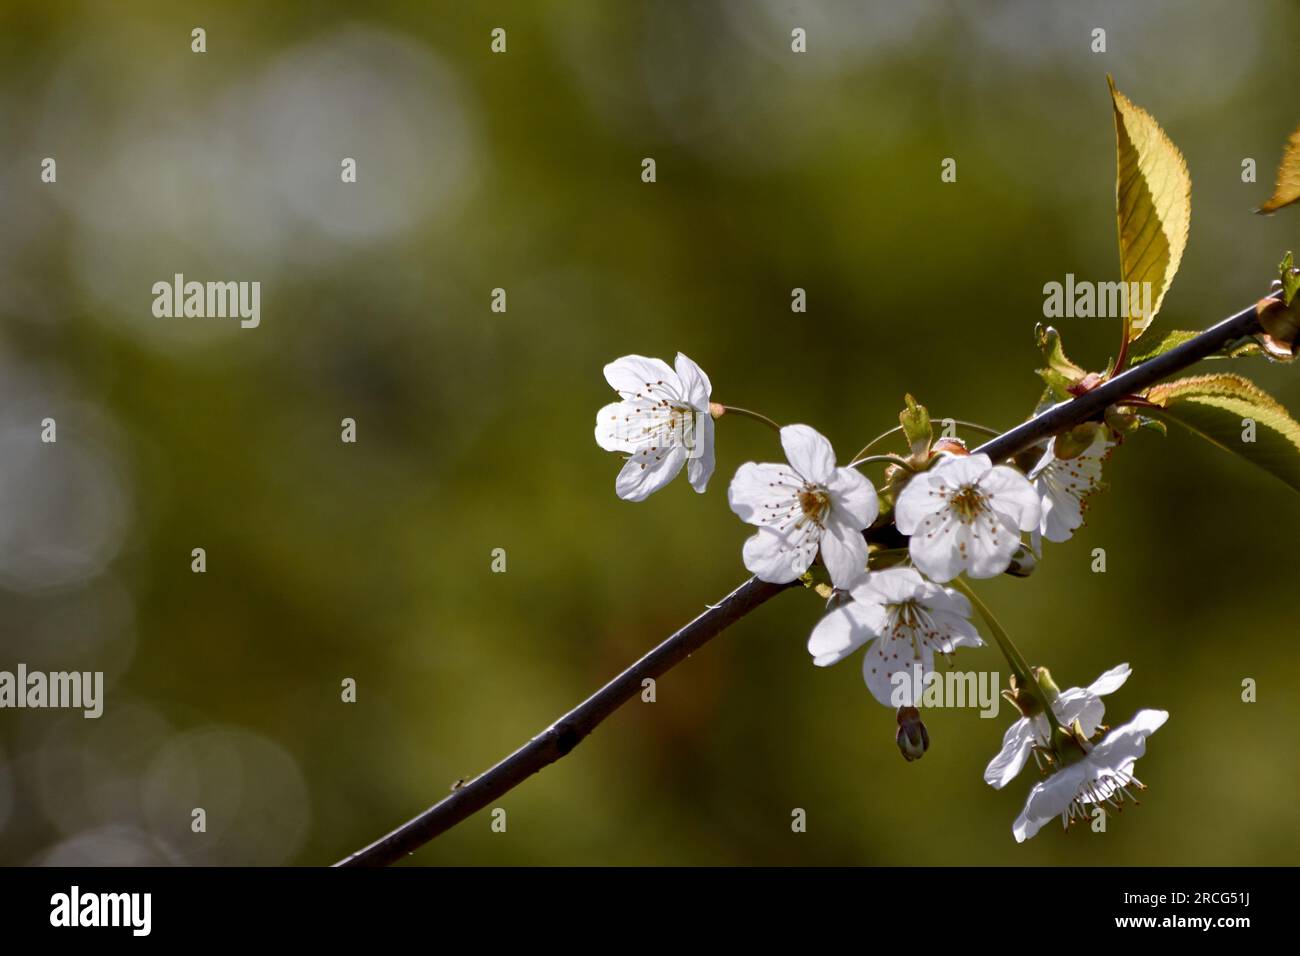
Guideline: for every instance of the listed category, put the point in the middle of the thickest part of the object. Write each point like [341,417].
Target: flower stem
[1123,348]
[973,426]
[1019,666]
[892,459]
[746,413]
[876,441]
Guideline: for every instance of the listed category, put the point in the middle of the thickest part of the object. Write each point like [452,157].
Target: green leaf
[1155,424]
[915,420]
[1216,407]
[1171,340]
[1049,340]
[1058,386]
[1289,276]
[1287,189]
[1060,373]
[1153,206]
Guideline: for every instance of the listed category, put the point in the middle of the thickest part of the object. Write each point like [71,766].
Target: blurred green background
[522,171]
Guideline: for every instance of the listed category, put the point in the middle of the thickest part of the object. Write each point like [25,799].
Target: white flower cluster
[962,514]
[1098,775]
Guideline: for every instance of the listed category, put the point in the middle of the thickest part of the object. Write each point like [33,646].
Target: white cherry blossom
[802,507]
[906,619]
[1104,775]
[1078,703]
[661,422]
[1063,486]
[965,514]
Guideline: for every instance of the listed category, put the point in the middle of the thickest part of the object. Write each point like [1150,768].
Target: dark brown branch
[567,732]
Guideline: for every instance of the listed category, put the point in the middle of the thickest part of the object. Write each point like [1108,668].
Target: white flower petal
[890,586]
[612,431]
[696,387]
[1124,745]
[647,471]
[1016,745]
[944,600]
[879,665]
[935,547]
[634,375]
[1048,799]
[1062,515]
[843,631]
[955,632]
[809,453]
[1111,681]
[699,468]
[844,552]
[1044,462]
[957,471]
[990,543]
[853,498]
[1077,704]
[780,557]
[1062,484]
[764,494]
[1013,496]
[918,500]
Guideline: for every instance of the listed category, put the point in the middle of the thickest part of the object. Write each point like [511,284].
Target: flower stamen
[969,503]
[815,503]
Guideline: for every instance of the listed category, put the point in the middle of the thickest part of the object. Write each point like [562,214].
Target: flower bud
[1022,563]
[1281,324]
[1121,420]
[1076,441]
[953,446]
[912,738]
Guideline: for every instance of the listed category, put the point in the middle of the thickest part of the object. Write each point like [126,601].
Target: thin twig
[756,416]
[567,732]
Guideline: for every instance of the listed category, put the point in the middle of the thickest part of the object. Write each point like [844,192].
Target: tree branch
[567,732]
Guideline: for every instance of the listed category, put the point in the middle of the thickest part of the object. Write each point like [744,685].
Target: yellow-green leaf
[1222,408]
[915,420]
[1288,278]
[1287,189]
[1153,206]
[1171,340]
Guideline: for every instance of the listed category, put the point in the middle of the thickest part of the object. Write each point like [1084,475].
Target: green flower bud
[1076,441]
